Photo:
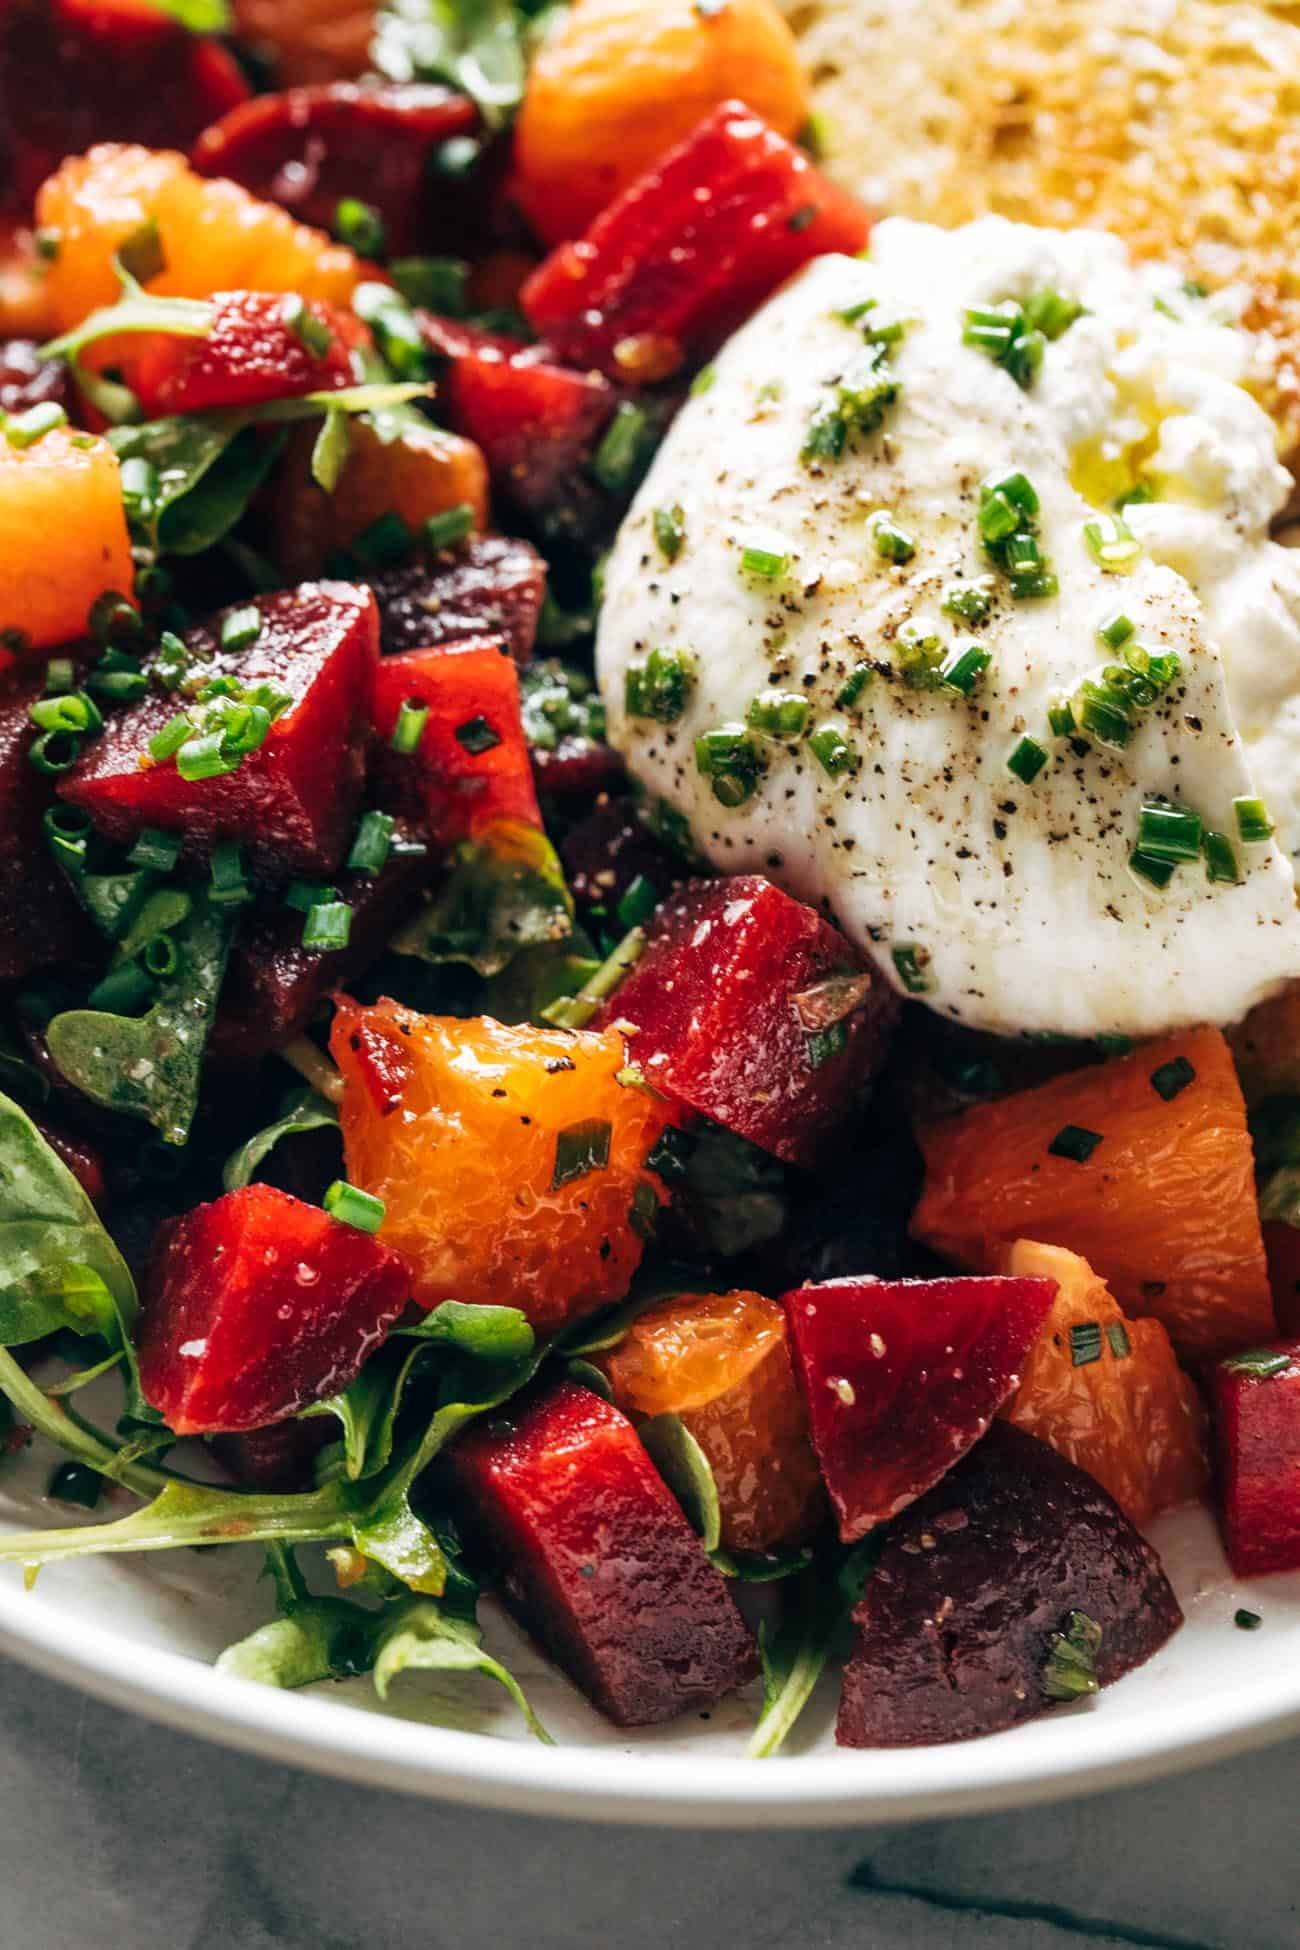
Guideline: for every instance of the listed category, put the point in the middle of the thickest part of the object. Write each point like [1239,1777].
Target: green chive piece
[732,760]
[54,752]
[670,531]
[159,957]
[1253,823]
[703,381]
[1172,1078]
[448,528]
[1014,487]
[370,847]
[241,627]
[826,437]
[409,729]
[1111,543]
[1060,718]
[1027,760]
[205,757]
[579,1149]
[659,685]
[353,1207]
[1103,714]
[123,990]
[386,543]
[890,541]
[1221,862]
[396,329]
[60,675]
[166,743]
[967,603]
[782,714]
[306,894]
[1158,872]
[155,849]
[997,519]
[824,1044]
[638,903]
[1247,1621]
[476,736]
[1075,1142]
[327,926]
[1168,832]
[853,686]
[76,1483]
[768,563]
[70,711]
[25,429]
[435,283]
[1051,314]
[1115,630]
[912,963]
[920,657]
[624,451]
[1260,1362]
[1117,1340]
[1070,1670]
[228,885]
[965,668]
[1085,1343]
[834,751]
[360,226]
[311,331]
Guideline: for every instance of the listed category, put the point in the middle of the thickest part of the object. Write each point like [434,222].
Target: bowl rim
[1091,1752]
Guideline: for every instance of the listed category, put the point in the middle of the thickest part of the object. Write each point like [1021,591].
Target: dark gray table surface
[115,1833]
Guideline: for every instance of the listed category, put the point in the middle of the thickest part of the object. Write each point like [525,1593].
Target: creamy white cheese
[1016,900]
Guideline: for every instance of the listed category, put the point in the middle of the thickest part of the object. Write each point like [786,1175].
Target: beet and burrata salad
[576,1024]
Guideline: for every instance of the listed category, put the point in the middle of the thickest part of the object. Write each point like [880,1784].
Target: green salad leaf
[685,1468]
[504,893]
[303,1110]
[482,47]
[795,1654]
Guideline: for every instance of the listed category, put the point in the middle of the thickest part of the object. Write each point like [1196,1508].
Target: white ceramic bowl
[142,1632]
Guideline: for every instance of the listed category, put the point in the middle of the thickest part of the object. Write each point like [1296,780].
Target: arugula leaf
[489,1333]
[19,1074]
[330,452]
[420,1637]
[733,1197]
[587,1376]
[200,16]
[58,1265]
[303,1110]
[206,513]
[136,311]
[795,1654]
[505,892]
[149,1066]
[365,1411]
[479,46]
[685,1468]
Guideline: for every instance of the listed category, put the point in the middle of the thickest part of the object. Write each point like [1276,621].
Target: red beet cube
[274,985]
[902,1377]
[1282,1250]
[293,802]
[470,765]
[281,1457]
[490,585]
[309,148]
[595,1558]
[40,920]
[256,1306]
[741,1013]
[612,853]
[689,249]
[77,72]
[254,352]
[537,423]
[1257,1436]
[957,1623]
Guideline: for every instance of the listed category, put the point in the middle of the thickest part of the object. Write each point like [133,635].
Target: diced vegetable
[41,923]
[1107,1392]
[902,1377]
[279,1457]
[63,537]
[309,40]
[315,148]
[1156,1191]
[291,801]
[256,1306]
[1257,1438]
[26,378]
[517,1172]
[1282,1250]
[689,249]
[24,309]
[618,871]
[260,347]
[619,82]
[488,585]
[211,234]
[468,766]
[755,1012]
[720,1362]
[960,1626]
[594,1557]
[1266,1046]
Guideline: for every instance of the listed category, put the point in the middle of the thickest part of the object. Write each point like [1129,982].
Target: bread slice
[1175,123]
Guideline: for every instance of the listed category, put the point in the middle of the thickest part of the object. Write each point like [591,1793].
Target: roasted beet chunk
[274,985]
[258,1305]
[595,1558]
[958,1626]
[281,1457]
[752,1010]
[617,870]
[28,380]
[292,802]
[902,1377]
[1257,1429]
[312,148]
[40,921]
[262,346]
[491,585]
[689,250]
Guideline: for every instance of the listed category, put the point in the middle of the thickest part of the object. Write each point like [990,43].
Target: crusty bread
[1175,123]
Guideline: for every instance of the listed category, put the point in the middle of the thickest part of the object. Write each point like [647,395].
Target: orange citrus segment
[63,537]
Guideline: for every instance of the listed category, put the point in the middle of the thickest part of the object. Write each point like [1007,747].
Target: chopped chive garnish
[1051,314]
[1004,335]
[890,541]
[1075,1142]
[228,884]
[826,438]
[327,926]
[670,531]
[306,894]
[659,685]
[997,519]
[25,429]
[409,729]
[703,380]
[1117,1340]
[1260,1362]
[1221,859]
[769,563]
[1111,543]
[1027,760]
[1115,630]
[1158,872]
[1060,718]
[1070,1670]
[853,686]
[448,528]
[1253,822]
[387,542]
[964,670]
[733,762]
[123,990]
[166,743]
[579,1149]
[782,714]
[120,686]
[60,675]
[359,226]
[241,627]
[823,1044]
[310,331]
[69,711]
[353,1207]
[638,903]
[159,957]
[912,963]
[370,847]
[623,453]
[1103,714]
[966,602]
[1168,832]
[1085,1343]
[920,657]
[834,750]
[1170,1078]
[205,757]
[155,849]
[1246,1621]
[54,752]
[476,736]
